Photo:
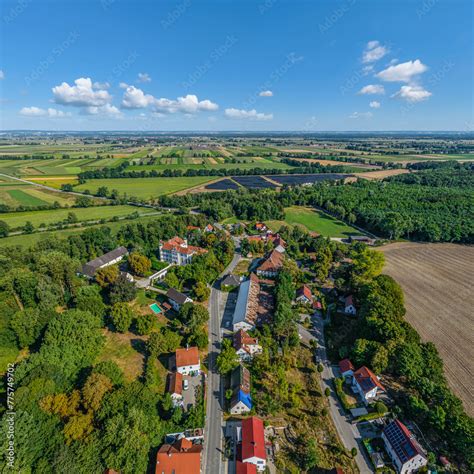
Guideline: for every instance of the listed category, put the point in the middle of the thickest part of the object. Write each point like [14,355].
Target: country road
[213,434]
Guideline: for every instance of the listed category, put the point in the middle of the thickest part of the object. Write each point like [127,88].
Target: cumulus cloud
[363,115]
[101,85]
[373,52]
[38,112]
[82,94]
[247,114]
[135,98]
[372,89]
[106,110]
[403,72]
[143,77]
[2,74]
[266,94]
[412,93]
[375,104]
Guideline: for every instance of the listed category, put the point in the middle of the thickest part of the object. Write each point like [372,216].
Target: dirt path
[437,280]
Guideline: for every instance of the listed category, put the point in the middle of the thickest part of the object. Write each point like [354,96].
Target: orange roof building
[178,252]
[187,360]
[182,457]
[367,384]
[272,265]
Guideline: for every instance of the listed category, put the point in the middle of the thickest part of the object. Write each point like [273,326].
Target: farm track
[437,280]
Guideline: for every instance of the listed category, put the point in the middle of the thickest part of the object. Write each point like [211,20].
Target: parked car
[185,384]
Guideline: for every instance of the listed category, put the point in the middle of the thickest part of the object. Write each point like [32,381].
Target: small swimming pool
[155,308]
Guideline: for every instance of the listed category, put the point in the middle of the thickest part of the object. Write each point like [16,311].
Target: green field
[314,221]
[146,188]
[19,219]
[16,194]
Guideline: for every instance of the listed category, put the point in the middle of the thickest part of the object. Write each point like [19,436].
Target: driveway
[189,395]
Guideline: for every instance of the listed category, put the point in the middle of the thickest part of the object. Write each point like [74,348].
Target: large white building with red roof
[178,251]
[253,443]
[187,361]
[406,453]
[366,384]
[181,457]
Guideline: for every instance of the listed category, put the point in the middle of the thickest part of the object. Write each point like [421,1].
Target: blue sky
[236,65]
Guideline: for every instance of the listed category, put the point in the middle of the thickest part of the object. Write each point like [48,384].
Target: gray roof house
[177,299]
[110,258]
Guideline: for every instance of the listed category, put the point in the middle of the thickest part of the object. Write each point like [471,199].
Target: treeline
[75,411]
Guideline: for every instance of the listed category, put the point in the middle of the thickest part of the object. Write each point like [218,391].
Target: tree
[122,316]
[88,298]
[327,391]
[163,342]
[227,359]
[107,275]
[102,191]
[354,452]
[78,427]
[4,229]
[139,264]
[172,280]
[145,323]
[122,290]
[201,291]
[28,228]
[381,408]
[310,456]
[96,386]
[72,218]
[111,370]
[27,325]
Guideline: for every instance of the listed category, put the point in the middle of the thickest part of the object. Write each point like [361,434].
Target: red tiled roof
[305,291]
[192,227]
[245,468]
[181,457]
[317,305]
[346,365]
[272,263]
[175,384]
[364,375]
[242,339]
[179,245]
[253,438]
[260,225]
[256,238]
[187,356]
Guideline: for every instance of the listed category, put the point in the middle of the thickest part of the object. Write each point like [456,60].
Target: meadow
[18,219]
[16,194]
[314,221]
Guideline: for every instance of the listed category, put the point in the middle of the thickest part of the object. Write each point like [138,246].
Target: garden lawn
[314,221]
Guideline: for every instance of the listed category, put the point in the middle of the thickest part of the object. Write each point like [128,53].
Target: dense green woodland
[432,206]
[73,413]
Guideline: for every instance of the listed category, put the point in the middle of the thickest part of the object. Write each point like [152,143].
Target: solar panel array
[399,442]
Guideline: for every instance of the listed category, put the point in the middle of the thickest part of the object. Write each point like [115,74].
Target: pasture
[145,188]
[314,221]
[16,194]
[437,280]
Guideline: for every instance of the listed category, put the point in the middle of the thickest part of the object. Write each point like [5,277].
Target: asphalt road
[348,433]
[213,434]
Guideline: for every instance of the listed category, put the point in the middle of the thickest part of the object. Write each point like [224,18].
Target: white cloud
[372,89]
[247,114]
[412,93]
[373,52]
[143,77]
[38,112]
[363,115]
[2,74]
[367,69]
[403,72]
[83,94]
[375,104]
[266,94]
[106,110]
[101,85]
[135,98]
[123,85]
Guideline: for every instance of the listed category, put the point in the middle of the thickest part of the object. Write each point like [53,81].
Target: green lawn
[315,221]
[146,188]
[18,219]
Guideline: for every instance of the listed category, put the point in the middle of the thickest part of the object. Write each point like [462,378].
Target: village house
[349,307]
[175,388]
[177,299]
[304,295]
[245,468]
[346,368]
[246,307]
[366,384]
[260,227]
[230,282]
[178,252]
[110,258]
[278,243]
[253,443]
[406,453]
[187,361]
[271,265]
[209,228]
[183,456]
[241,401]
[245,346]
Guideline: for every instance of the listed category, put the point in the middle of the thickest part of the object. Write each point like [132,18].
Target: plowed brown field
[438,280]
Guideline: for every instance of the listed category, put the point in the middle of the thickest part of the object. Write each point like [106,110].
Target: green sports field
[314,221]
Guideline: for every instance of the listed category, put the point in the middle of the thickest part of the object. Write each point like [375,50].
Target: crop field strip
[437,280]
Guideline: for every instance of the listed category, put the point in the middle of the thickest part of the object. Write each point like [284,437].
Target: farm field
[19,219]
[314,221]
[145,188]
[437,280]
[16,194]
[381,174]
